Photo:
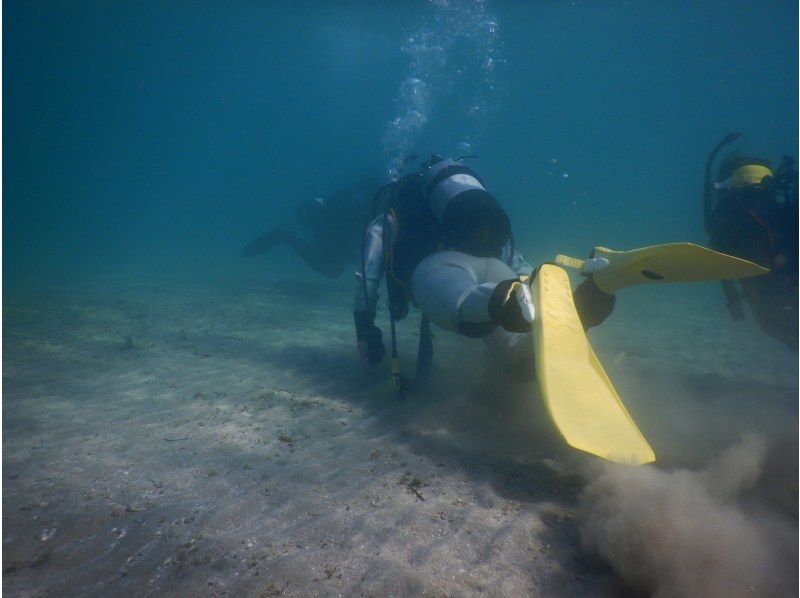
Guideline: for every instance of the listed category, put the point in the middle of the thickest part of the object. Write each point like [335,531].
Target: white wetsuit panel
[372,256]
[452,287]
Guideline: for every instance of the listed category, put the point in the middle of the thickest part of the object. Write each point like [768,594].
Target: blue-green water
[156,138]
[180,420]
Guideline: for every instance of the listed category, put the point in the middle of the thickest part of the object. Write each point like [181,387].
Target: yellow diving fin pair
[576,390]
[673,262]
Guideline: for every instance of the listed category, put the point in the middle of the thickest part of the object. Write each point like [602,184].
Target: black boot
[593,305]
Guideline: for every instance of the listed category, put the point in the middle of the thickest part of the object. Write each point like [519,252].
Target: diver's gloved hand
[592,304]
[369,338]
[510,306]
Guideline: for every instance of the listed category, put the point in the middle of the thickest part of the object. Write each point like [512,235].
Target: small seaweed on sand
[288,440]
[413,485]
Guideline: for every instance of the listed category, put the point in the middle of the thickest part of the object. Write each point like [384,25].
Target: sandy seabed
[188,440]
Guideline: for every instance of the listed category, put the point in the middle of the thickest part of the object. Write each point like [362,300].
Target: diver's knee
[592,304]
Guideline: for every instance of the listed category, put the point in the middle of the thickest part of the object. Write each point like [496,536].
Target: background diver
[750,211]
[335,222]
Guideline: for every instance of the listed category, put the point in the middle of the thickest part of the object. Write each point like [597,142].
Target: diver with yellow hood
[751,212]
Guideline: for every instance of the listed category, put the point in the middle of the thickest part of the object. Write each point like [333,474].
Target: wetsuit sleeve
[372,256]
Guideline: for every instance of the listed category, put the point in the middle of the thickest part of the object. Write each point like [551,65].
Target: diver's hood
[470,217]
[745,176]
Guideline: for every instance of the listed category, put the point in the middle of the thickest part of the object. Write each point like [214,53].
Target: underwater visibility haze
[198,347]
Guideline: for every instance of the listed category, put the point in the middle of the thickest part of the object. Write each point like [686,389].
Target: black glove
[369,337]
[505,309]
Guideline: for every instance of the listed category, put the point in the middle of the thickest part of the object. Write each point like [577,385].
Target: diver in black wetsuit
[335,222]
[751,212]
[443,243]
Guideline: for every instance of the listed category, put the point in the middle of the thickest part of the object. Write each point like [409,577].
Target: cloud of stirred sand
[693,533]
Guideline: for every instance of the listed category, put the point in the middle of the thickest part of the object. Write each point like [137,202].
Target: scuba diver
[334,221]
[444,243]
[750,211]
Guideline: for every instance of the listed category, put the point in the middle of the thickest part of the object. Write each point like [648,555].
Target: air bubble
[468,84]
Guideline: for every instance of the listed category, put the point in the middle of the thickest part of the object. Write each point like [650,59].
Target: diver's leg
[733,300]
[265,242]
[454,290]
[323,260]
[773,306]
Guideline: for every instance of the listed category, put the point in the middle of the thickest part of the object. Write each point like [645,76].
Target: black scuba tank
[470,219]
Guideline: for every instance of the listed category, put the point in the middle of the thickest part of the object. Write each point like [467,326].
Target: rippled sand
[185,441]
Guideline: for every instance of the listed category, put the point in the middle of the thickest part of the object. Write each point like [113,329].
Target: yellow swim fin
[576,390]
[673,262]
